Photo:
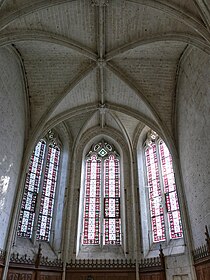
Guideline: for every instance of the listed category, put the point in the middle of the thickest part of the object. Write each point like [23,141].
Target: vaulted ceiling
[103,63]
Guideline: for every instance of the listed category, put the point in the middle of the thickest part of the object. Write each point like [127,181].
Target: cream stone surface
[193,127]
[12,127]
[110,70]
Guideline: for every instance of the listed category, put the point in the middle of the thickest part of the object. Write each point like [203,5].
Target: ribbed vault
[97,63]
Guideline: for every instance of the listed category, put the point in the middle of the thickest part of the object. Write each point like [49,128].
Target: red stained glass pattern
[48,193]
[155,194]
[32,184]
[92,201]
[102,193]
[112,231]
[112,221]
[171,198]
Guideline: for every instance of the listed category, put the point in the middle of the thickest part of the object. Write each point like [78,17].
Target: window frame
[50,139]
[155,138]
[102,193]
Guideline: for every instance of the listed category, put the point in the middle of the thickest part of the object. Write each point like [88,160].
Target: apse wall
[193,123]
[12,128]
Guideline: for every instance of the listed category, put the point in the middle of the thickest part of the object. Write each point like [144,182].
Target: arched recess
[72,240]
[171,247]
[53,246]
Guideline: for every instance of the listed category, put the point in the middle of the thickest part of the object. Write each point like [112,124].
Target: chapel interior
[105,139]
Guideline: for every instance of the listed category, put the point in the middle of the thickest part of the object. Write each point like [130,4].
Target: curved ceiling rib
[160,128]
[135,114]
[106,84]
[189,39]
[92,108]
[2,2]
[137,133]
[203,11]
[69,88]
[100,19]
[82,130]
[124,131]
[74,112]
[172,10]
[77,111]
[8,38]
[126,80]
[20,60]
[177,92]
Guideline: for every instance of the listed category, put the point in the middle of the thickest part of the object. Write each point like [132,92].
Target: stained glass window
[155,194]
[111,200]
[32,185]
[172,204]
[40,179]
[92,201]
[48,193]
[163,200]
[102,191]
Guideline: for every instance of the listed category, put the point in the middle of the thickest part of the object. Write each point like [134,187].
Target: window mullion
[102,204]
[103,153]
[163,193]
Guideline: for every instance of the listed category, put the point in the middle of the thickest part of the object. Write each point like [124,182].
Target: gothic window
[163,200]
[101,217]
[40,186]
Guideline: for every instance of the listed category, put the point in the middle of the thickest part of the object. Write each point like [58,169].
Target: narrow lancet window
[32,185]
[92,200]
[163,200]
[111,200]
[40,186]
[48,193]
[101,215]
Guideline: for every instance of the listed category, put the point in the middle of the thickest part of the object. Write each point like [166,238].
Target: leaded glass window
[101,216]
[163,200]
[39,192]
[32,184]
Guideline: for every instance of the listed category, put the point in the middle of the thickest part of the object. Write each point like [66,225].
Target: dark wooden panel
[49,275]
[103,275]
[203,271]
[106,275]
[19,274]
[152,276]
[1,272]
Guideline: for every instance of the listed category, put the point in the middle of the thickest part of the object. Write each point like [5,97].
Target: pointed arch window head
[101,217]
[40,186]
[163,201]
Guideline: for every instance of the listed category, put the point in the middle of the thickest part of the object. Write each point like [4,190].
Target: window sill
[101,252]
[173,247]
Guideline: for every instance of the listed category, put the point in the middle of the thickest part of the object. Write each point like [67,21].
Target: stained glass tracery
[162,191]
[40,178]
[102,190]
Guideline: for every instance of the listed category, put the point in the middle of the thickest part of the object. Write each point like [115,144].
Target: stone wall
[12,129]
[193,125]
[178,268]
